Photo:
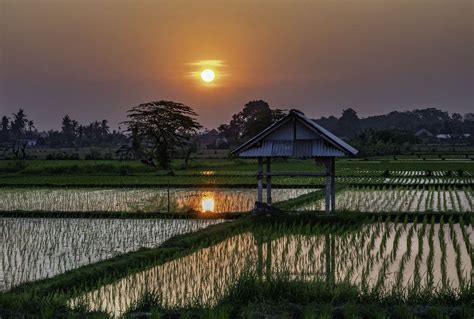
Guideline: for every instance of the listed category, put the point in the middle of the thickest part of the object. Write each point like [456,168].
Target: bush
[124,170]
[62,156]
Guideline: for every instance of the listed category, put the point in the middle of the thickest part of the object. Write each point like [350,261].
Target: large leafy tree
[348,124]
[254,118]
[160,129]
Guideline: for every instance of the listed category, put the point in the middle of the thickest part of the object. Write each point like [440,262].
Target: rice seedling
[363,258]
[382,199]
[32,249]
[135,200]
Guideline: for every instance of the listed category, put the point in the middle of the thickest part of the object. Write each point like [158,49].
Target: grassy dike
[202,173]
[47,298]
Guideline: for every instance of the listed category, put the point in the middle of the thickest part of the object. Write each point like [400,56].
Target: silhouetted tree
[348,124]
[69,131]
[19,123]
[254,118]
[5,127]
[162,128]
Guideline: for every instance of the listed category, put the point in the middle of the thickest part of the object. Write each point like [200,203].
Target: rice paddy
[136,200]
[417,200]
[381,257]
[38,248]
[420,252]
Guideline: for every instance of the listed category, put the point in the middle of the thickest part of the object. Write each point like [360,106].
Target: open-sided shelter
[295,135]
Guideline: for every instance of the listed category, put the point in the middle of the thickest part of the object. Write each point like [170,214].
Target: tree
[31,126]
[5,127]
[160,128]
[5,123]
[254,118]
[17,128]
[68,130]
[19,123]
[348,124]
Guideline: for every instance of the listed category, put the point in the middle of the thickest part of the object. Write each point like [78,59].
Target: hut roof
[295,135]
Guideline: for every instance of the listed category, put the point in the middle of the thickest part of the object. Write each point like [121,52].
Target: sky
[95,59]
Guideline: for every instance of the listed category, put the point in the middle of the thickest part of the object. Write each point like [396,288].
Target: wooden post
[327,163]
[260,181]
[333,184]
[269,182]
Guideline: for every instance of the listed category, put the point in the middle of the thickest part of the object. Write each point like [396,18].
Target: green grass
[229,172]
[283,297]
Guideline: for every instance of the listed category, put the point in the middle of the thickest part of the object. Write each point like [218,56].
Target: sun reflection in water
[208,203]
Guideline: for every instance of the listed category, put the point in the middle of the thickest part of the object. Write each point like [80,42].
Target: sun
[208,75]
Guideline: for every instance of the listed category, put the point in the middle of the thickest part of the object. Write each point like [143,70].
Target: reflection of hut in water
[354,254]
[295,135]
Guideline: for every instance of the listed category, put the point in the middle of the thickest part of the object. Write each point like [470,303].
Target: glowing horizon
[72,57]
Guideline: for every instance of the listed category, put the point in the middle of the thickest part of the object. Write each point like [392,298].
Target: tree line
[158,131]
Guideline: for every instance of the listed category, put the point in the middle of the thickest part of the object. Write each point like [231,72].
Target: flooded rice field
[383,257]
[376,199]
[137,200]
[37,248]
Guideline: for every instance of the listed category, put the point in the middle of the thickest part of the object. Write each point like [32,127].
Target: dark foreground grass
[249,297]
[282,297]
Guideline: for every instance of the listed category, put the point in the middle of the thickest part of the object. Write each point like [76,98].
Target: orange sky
[96,59]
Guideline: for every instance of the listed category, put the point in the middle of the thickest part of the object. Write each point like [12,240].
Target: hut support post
[327,183]
[260,181]
[333,184]
[269,181]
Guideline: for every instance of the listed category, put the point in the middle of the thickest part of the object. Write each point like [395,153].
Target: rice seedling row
[32,249]
[383,257]
[135,200]
[389,199]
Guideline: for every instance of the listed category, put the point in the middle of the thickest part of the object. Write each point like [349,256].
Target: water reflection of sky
[373,255]
[136,200]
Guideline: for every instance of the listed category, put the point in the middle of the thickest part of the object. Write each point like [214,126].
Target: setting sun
[208,75]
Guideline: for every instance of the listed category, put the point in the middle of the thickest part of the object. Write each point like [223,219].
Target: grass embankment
[202,173]
[282,297]
[48,297]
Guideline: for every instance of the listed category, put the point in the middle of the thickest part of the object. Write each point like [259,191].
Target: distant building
[29,141]
[221,142]
[424,133]
[211,139]
[443,136]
